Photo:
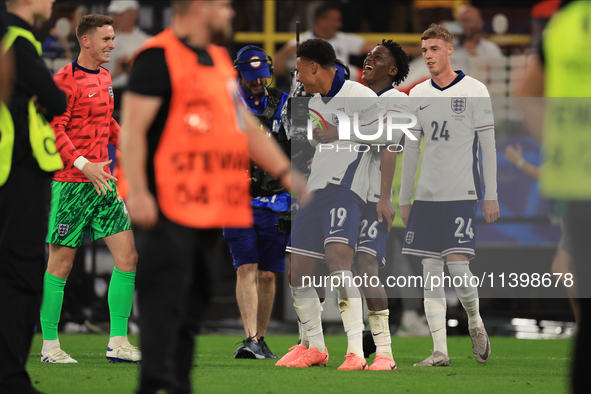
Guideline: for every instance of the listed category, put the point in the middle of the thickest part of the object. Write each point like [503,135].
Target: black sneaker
[369,346]
[249,349]
[266,351]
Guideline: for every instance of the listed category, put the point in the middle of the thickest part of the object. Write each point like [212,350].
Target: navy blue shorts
[436,229]
[258,244]
[332,216]
[373,235]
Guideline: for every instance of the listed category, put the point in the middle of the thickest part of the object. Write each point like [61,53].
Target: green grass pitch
[516,366]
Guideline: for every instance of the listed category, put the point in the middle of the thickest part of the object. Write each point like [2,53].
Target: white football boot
[120,350]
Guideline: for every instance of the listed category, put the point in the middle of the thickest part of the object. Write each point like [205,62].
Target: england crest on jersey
[111,91]
[410,236]
[335,118]
[62,229]
[458,104]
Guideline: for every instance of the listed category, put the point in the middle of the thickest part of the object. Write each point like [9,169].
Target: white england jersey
[344,162]
[450,120]
[375,173]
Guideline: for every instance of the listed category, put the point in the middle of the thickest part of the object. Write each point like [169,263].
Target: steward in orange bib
[201,163]
[186,146]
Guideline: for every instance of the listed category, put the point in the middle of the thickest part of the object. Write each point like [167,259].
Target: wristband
[520,162]
[80,162]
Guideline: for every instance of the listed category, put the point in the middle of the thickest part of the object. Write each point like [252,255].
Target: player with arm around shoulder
[328,227]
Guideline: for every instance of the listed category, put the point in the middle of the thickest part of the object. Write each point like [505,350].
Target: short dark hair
[90,22]
[437,31]
[401,60]
[324,8]
[318,50]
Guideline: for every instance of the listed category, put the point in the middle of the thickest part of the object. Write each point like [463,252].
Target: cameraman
[259,252]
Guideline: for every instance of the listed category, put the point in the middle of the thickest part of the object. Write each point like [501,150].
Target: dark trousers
[24,207]
[578,221]
[174,285]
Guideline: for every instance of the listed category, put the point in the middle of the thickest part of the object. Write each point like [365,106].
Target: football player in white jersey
[386,66]
[328,226]
[454,115]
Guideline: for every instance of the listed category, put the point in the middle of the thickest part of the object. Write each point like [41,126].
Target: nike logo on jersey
[331,232]
[90,95]
[422,108]
[463,242]
[375,335]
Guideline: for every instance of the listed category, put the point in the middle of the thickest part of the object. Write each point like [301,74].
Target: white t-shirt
[375,173]
[125,45]
[453,121]
[345,163]
[344,44]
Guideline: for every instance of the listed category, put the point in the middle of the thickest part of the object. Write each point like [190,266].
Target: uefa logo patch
[410,236]
[62,229]
[111,91]
[458,105]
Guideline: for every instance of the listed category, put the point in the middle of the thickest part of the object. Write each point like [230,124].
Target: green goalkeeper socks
[51,306]
[120,296]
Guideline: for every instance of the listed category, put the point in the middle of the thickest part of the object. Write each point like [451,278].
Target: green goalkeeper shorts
[76,209]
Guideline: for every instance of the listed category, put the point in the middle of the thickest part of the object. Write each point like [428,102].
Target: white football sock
[467,294]
[307,306]
[117,341]
[303,336]
[49,344]
[435,303]
[380,330]
[350,306]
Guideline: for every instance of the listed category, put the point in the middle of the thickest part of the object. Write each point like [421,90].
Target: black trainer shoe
[266,351]
[369,346]
[249,349]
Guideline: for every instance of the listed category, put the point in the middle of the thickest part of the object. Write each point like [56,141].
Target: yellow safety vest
[41,135]
[567,122]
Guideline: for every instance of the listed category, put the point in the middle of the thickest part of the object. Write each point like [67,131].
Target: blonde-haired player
[454,115]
